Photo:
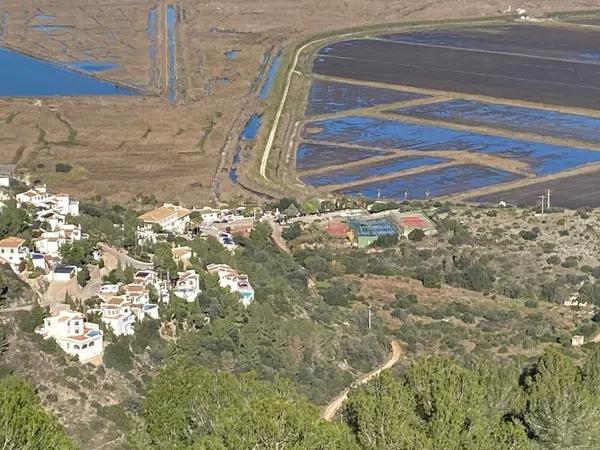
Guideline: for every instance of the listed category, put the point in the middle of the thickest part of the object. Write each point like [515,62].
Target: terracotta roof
[182,213]
[158,214]
[115,301]
[12,242]
[178,252]
[134,288]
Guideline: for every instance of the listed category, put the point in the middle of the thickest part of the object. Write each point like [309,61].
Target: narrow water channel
[171,43]
[249,133]
[266,87]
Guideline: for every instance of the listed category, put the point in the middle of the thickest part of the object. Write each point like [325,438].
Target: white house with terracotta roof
[170,218]
[136,293]
[117,314]
[183,254]
[187,286]
[40,197]
[73,334]
[50,242]
[230,279]
[13,251]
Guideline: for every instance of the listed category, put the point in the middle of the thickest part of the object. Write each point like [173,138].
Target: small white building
[73,334]
[13,251]
[7,173]
[63,273]
[232,280]
[210,215]
[187,286]
[169,218]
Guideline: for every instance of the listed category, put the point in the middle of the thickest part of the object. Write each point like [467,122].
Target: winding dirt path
[334,405]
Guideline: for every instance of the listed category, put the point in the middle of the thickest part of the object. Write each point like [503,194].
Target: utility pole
[370,316]
[548,199]
[543,197]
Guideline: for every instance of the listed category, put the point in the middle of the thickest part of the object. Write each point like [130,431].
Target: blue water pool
[231,54]
[251,128]
[49,28]
[330,96]
[445,181]
[313,156]
[93,66]
[370,170]
[151,33]
[370,132]
[517,118]
[266,87]
[24,76]
[171,44]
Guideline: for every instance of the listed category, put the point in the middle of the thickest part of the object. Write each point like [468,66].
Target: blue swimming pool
[370,170]
[371,132]
[516,118]
[444,181]
[330,96]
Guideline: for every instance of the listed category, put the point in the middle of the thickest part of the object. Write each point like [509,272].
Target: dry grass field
[122,146]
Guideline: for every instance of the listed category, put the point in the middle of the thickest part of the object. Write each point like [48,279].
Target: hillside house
[13,251]
[73,334]
[63,273]
[183,254]
[209,215]
[39,197]
[116,313]
[232,280]
[187,286]
[136,293]
[168,218]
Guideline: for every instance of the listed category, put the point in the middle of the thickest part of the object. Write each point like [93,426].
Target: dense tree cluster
[435,403]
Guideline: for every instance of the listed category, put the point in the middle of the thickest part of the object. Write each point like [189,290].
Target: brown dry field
[124,146]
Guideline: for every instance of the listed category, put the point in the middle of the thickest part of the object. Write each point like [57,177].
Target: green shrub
[63,167]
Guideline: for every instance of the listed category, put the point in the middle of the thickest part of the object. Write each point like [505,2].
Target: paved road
[334,406]
[125,260]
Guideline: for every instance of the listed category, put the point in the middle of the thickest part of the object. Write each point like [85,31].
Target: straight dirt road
[334,406]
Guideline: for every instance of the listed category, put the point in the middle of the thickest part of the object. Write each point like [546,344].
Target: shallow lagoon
[438,182]
[313,156]
[370,132]
[24,76]
[516,118]
[371,170]
[330,97]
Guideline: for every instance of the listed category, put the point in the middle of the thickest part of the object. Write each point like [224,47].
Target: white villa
[183,254]
[13,251]
[42,199]
[73,334]
[235,282]
[187,286]
[50,242]
[210,215]
[116,313]
[170,218]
